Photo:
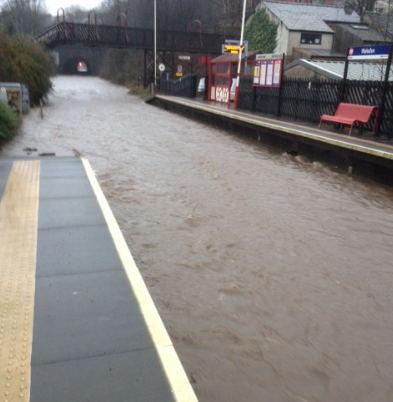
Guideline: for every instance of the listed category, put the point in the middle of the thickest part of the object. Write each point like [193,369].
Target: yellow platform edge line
[176,375]
[18,250]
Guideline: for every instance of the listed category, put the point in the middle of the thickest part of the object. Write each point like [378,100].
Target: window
[310,38]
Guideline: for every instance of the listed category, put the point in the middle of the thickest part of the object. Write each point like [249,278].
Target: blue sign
[369,52]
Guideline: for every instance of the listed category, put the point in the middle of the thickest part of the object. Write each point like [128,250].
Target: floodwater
[273,274]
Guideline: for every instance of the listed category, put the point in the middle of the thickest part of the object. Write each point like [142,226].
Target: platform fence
[306,100]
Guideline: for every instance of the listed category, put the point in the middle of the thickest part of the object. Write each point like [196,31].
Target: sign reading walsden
[369,52]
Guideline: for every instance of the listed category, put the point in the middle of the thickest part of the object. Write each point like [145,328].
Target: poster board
[268,70]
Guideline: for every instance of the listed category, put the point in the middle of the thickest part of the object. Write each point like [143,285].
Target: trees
[261,32]
[24,16]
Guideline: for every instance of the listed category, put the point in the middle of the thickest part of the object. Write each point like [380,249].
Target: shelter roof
[335,69]
[306,17]
[228,57]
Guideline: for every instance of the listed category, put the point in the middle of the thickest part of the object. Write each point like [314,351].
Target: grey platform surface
[90,340]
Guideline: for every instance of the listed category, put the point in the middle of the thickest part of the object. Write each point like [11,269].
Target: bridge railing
[117,36]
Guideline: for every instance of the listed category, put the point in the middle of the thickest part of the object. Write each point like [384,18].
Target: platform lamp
[239,65]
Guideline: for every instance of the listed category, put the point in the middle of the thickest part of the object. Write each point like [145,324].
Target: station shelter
[223,72]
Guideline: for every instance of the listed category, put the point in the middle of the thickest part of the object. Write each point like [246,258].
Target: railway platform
[359,153]
[77,322]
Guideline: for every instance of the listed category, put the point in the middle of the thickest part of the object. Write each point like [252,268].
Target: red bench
[348,113]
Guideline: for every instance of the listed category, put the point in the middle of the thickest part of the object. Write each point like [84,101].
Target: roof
[335,69]
[305,17]
[228,57]
[364,32]
[383,20]
[322,53]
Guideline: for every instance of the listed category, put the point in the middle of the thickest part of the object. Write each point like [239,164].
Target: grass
[141,92]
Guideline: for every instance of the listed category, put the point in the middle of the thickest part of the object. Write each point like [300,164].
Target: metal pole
[384,91]
[239,64]
[344,80]
[155,46]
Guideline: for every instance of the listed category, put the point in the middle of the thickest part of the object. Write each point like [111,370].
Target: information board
[267,70]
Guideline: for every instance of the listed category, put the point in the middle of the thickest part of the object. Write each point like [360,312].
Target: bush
[261,32]
[22,60]
[9,123]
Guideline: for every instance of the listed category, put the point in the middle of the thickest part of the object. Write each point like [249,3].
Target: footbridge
[120,36]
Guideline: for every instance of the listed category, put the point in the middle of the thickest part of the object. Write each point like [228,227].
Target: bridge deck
[76,316]
[137,38]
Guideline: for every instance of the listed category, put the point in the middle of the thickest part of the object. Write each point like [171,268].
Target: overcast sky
[54,5]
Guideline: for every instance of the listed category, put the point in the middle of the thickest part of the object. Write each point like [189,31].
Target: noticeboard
[267,72]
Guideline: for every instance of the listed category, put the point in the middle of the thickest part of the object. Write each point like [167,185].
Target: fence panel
[183,87]
[306,100]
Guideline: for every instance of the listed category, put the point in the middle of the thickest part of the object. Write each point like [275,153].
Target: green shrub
[9,123]
[22,60]
[261,32]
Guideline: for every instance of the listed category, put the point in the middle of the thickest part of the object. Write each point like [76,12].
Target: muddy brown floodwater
[273,274]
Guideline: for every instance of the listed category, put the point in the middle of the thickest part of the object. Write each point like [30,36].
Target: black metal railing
[138,38]
[185,86]
[307,100]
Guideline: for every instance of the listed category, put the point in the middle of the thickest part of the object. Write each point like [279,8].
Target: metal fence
[307,100]
[184,87]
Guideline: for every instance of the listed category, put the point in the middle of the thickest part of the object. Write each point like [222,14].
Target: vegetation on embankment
[125,67]
[24,61]
[9,123]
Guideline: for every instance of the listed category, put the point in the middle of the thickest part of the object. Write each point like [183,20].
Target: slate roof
[227,57]
[320,53]
[305,17]
[335,69]
[366,34]
[383,20]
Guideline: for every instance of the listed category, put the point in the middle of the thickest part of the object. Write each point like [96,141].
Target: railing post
[384,92]
[118,20]
[200,30]
[95,26]
[64,22]
[281,86]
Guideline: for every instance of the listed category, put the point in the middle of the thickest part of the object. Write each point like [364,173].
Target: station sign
[233,47]
[380,52]
[184,57]
[179,72]
[269,56]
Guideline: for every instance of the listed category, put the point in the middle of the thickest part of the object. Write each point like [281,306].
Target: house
[334,70]
[305,26]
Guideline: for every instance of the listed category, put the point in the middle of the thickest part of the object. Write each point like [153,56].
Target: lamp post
[239,65]
[155,46]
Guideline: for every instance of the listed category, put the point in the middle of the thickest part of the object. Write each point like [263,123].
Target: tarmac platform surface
[378,147]
[77,322]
